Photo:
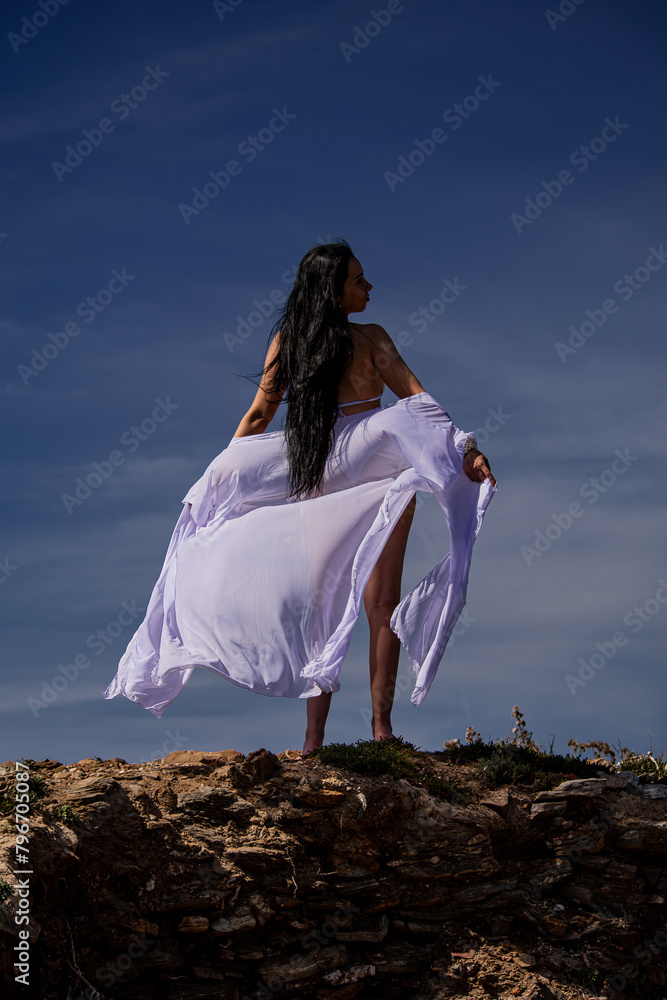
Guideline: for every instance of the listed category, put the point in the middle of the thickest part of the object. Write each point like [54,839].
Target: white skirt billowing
[265,591]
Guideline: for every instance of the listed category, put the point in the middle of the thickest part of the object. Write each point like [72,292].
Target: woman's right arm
[264,406]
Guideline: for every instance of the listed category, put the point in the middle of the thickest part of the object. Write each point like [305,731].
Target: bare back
[361,380]
[375,363]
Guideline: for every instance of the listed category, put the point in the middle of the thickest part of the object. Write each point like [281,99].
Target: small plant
[593,978]
[5,890]
[511,764]
[648,766]
[66,814]
[38,786]
[518,759]
[519,733]
[442,789]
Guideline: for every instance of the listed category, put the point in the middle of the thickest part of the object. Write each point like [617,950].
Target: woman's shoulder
[371,331]
[367,326]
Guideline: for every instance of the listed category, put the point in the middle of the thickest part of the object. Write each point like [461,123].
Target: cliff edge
[231,876]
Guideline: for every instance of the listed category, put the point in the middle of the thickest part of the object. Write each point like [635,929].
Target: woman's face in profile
[355,290]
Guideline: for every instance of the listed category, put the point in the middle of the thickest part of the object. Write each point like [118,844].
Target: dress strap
[353,402]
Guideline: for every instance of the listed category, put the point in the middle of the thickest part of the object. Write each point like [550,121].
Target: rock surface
[230,876]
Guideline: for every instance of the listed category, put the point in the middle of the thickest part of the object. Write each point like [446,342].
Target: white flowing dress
[264,591]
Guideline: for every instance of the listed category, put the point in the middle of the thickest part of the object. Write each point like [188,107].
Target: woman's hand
[476,467]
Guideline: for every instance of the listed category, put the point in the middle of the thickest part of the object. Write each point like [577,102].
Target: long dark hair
[315,349]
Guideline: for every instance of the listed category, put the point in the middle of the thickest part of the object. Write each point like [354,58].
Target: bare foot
[381,730]
[313,741]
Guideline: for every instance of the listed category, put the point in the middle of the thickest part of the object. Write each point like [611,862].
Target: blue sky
[514,153]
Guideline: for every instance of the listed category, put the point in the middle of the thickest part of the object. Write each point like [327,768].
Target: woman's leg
[317,710]
[382,594]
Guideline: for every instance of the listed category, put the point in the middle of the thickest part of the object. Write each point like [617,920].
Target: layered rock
[219,875]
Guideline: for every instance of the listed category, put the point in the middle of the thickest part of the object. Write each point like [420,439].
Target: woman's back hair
[314,350]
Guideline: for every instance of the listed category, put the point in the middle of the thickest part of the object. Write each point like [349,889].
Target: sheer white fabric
[265,591]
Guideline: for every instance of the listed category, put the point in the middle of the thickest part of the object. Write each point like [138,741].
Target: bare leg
[382,594]
[317,710]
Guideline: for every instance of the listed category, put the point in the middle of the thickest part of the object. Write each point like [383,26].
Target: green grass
[66,814]
[373,757]
[396,758]
[5,890]
[510,764]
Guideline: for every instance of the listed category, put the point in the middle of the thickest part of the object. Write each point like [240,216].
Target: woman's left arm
[263,408]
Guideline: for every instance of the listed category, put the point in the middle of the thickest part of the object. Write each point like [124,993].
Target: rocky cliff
[231,876]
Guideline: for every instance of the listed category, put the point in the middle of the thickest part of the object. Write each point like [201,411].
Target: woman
[324,362]
[287,533]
